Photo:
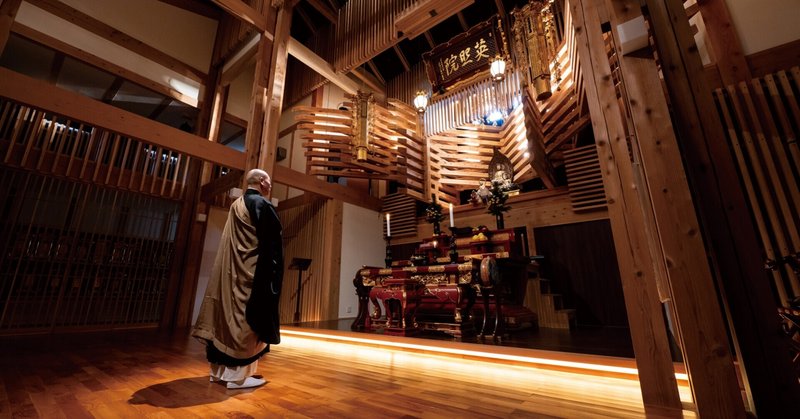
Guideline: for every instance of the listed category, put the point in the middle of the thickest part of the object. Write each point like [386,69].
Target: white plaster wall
[362,244]
[67,32]
[763,24]
[187,36]
[215,224]
[239,92]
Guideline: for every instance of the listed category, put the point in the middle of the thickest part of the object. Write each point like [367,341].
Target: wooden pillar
[8,12]
[705,343]
[725,45]
[275,83]
[191,231]
[628,222]
[727,224]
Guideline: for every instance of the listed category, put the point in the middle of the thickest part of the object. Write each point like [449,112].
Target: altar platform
[593,351]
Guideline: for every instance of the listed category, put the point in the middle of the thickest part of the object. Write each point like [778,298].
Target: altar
[473,285]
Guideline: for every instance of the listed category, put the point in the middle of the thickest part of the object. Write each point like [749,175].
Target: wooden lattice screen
[585,181]
[762,121]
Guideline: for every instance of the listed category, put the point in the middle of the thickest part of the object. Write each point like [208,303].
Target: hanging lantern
[421,101]
[498,68]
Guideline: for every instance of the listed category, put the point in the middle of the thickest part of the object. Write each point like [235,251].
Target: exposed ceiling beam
[8,12]
[243,12]
[318,64]
[196,7]
[243,57]
[160,108]
[235,120]
[221,184]
[402,57]
[324,9]
[100,63]
[116,36]
[375,71]
[43,95]
[500,9]
[462,21]
[112,90]
[369,80]
[306,19]
[308,183]
[238,133]
[429,38]
[55,68]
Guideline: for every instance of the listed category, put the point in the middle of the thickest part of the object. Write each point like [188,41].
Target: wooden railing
[762,121]
[49,144]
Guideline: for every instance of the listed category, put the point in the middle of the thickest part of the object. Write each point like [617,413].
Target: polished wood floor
[138,374]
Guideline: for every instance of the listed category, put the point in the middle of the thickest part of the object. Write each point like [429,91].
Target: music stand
[300,265]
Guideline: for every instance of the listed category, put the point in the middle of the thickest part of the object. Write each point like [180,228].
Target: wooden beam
[8,12]
[39,94]
[724,210]
[304,182]
[245,13]
[220,185]
[402,57]
[318,64]
[238,133]
[724,41]
[648,331]
[501,10]
[307,20]
[235,120]
[112,90]
[370,81]
[118,37]
[462,21]
[376,72]
[100,63]
[240,60]
[429,38]
[160,108]
[325,10]
[55,68]
[704,339]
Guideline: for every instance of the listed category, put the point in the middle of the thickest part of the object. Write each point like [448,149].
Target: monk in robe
[239,316]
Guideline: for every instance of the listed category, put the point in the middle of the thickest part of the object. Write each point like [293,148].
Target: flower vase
[499,220]
[436,229]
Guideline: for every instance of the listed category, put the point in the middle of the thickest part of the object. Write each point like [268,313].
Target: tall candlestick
[452,222]
[388,225]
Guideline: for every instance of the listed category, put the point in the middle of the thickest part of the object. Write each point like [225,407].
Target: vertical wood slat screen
[472,103]
[405,86]
[762,122]
[303,232]
[365,29]
[50,144]
[75,255]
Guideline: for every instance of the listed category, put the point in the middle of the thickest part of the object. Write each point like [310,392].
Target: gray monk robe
[239,314]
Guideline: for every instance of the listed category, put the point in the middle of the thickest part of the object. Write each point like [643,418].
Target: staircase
[549,306]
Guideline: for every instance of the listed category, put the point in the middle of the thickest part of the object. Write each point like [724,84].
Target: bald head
[259,180]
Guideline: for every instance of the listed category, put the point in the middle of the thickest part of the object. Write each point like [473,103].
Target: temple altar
[474,285]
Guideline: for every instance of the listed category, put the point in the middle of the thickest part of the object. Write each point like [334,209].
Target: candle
[452,223]
[388,225]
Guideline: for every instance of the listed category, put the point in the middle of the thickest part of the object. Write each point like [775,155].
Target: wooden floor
[149,374]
